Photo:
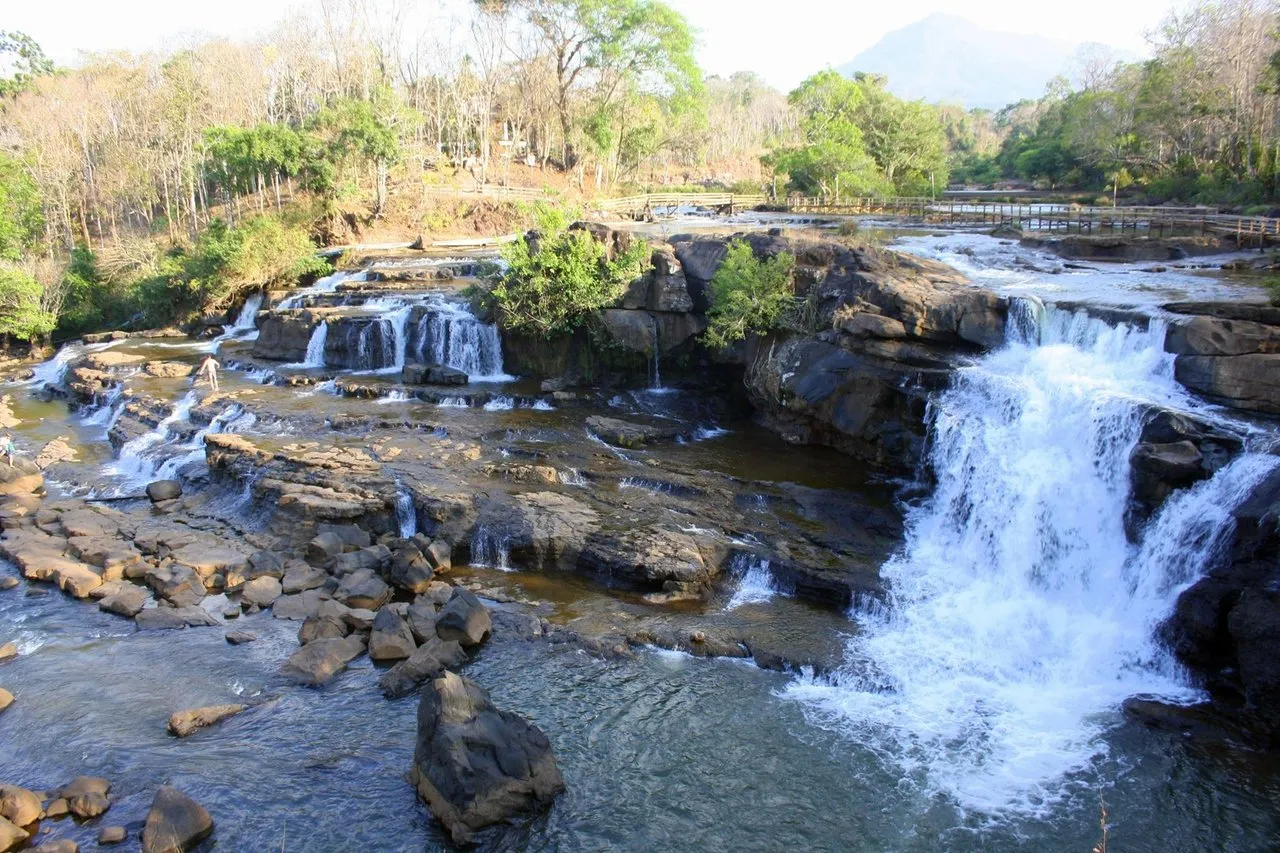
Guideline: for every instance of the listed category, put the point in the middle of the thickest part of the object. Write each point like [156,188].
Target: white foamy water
[755,582]
[1020,616]
[328,284]
[451,335]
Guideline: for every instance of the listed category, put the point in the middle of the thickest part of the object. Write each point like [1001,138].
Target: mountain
[947,58]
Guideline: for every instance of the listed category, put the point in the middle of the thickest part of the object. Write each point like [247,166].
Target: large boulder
[474,765]
[319,661]
[464,619]
[164,490]
[363,589]
[172,618]
[19,805]
[11,835]
[176,583]
[429,660]
[391,638]
[433,374]
[176,823]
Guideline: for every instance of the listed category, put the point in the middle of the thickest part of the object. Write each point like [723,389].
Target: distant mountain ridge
[948,58]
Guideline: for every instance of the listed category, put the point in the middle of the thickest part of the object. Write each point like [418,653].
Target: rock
[298,607]
[168,618]
[8,582]
[322,628]
[57,450]
[464,619]
[317,662]
[421,617]
[86,796]
[440,555]
[112,835]
[433,374]
[164,490]
[177,583]
[265,564]
[175,823]
[8,651]
[11,836]
[19,805]
[324,548]
[363,589]
[239,638]
[627,434]
[374,559]
[57,809]
[1250,382]
[475,766]
[429,660]
[6,699]
[261,591]
[184,723]
[168,369]
[301,577]
[410,569]
[128,600]
[391,638]
[58,845]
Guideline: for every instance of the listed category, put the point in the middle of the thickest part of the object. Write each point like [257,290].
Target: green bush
[748,295]
[549,288]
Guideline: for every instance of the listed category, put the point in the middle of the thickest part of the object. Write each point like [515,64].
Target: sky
[783,41]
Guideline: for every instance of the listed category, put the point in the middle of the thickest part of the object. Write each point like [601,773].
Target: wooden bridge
[1044,216]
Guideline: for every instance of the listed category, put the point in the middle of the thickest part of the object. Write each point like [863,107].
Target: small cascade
[449,334]
[490,550]
[453,403]
[657,355]
[247,320]
[396,396]
[315,346]
[137,461]
[500,404]
[231,419]
[755,581]
[328,284]
[406,512]
[572,477]
[107,409]
[51,373]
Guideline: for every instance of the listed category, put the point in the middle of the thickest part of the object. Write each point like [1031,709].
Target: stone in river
[323,548]
[464,619]
[112,835]
[319,661]
[128,600]
[8,582]
[474,765]
[322,628]
[164,490]
[429,660]
[11,836]
[60,845]
[19,805]
[6,698]
[170,618]
[177,583]
[363,589]
[8,651]
[261,591]
[391,638]
[184,723]
[298,607]
[238,638]
[175,823]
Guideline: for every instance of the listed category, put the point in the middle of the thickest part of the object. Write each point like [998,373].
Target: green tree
[905,138]
[748,295]
[21,313]
[21,214]
[21,52]
[365,133]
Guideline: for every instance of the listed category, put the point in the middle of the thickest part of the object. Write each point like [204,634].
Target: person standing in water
[209,370]
[7,448]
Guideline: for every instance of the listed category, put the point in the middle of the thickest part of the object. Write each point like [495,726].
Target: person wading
[7,448]
[209,370]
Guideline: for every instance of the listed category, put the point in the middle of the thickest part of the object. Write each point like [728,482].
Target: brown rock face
[474,765]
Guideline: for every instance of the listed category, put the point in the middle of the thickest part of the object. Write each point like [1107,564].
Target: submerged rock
[6,699]
[184,723]
[319,661]
[169,618]
[176,823]
[474,765]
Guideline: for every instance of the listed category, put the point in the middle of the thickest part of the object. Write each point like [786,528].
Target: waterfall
[657,355]
[1019,614]
[328,284]
[451,335]
[107,410]
[490,550]
[247,320]
[315,346]
[755,581]
[406,513]
[53,371]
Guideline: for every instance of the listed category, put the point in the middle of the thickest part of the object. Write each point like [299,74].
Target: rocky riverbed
[248,591]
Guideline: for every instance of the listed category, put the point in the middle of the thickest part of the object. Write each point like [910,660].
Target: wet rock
[433,374]
[627,434]
[170,618]
[391,638]
[58,845]
[112,835]
[239,638]
[175,823]
[261,592]
[86,796]
[1124,248]
[475,765]
[440,555]
[363,589]
[374,558]
[322,628]
[429,660]
[164,490]
[464,619]
[19,805]
[6,699]
[57,450]
[410,569]
[57,809]
[318,662]
[8,651]
[421,617]
[1249,382]
[8,582]
[11,836]
[128,600]
[176,583]
[184,723]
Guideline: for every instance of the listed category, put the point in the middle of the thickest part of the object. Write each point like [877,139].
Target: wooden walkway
[1037,217]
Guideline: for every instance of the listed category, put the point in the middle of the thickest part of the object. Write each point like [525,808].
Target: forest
[145,189]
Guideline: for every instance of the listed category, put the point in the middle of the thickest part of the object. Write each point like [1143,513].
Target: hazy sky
[782,40]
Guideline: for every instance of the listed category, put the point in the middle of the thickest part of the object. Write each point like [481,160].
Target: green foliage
[21,216]
[21,313]
[25,57]
[861,140]
[549,288]
[748,295]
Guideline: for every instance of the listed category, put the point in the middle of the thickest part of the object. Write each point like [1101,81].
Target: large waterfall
[451,335]
[1020,615]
